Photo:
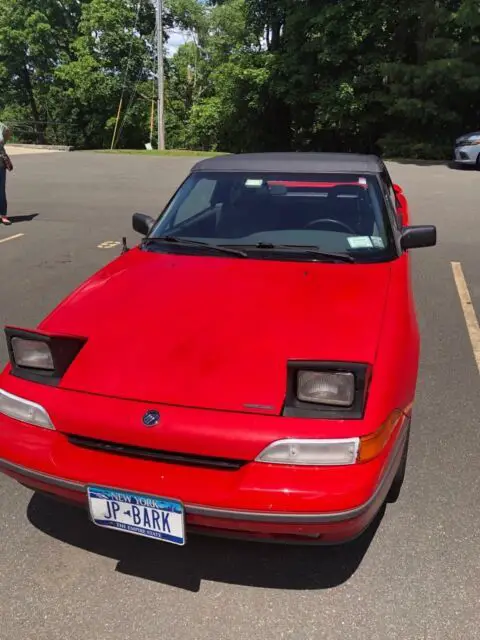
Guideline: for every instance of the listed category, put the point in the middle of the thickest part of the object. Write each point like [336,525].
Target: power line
[125,77]
[130,103]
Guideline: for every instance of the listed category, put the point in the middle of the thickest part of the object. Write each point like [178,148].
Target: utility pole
[160,76]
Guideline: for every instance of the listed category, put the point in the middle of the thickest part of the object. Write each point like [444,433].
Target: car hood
[466,136]
[212,332]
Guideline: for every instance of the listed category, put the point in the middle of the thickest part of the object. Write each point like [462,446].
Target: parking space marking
[18,235]
[468,310]
[108,244]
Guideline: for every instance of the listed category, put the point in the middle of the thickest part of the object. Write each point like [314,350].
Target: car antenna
[124,245]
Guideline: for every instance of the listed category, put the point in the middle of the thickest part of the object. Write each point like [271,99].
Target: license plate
[139,514]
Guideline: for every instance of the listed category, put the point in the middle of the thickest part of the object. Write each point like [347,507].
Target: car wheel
[397,483]
[477,164]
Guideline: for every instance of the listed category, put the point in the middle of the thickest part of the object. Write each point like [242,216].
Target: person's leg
[3,196]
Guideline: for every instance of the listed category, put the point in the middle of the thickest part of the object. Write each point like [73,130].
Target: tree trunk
[426,29]
[39,127]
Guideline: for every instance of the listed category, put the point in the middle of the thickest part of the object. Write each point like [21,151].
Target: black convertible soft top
[293,163]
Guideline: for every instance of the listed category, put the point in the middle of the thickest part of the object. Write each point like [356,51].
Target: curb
[51,147]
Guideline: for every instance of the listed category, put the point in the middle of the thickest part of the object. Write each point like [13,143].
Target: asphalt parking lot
[413,576]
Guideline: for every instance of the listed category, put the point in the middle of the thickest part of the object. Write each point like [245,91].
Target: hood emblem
[151,419]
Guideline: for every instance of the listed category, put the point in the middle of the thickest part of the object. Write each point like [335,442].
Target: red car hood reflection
[216,332]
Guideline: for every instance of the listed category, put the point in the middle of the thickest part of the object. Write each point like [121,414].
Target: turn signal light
[372,445]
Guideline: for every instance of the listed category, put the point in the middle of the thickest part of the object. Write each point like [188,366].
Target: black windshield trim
[303,250]
[196,244]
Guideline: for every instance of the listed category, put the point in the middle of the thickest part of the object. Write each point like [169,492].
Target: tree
[226,75]
[112,61]
[355,75]
[64,64]
[35,35]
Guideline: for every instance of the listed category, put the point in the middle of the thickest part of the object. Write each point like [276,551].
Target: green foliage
[64,66]
[360,75]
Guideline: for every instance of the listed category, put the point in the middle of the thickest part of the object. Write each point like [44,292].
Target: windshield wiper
[303,249]
[197,243]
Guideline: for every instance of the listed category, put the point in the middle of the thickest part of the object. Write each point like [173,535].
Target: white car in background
[467,150]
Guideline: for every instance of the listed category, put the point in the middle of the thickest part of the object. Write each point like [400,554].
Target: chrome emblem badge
[151,419]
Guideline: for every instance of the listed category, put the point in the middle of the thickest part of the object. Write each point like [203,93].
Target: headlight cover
[326,387]
[326,390]
[33,354]
[41,357]
[311,452]
[24,411]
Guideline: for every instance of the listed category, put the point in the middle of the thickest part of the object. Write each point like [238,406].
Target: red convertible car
[248,369]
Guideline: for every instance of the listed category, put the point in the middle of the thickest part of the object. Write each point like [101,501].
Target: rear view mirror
[418,237]
[142,223]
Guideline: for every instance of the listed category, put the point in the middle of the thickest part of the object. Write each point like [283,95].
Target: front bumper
[258,501]
[467,155]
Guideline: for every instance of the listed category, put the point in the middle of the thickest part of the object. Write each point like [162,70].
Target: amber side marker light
[372,445]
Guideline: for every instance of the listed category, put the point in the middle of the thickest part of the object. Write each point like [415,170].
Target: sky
[176,38]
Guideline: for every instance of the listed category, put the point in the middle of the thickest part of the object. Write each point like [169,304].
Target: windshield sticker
[378,242]
[251,182]
[362,181]
[360,242]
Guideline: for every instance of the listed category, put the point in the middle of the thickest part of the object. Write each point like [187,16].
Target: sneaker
[5,220]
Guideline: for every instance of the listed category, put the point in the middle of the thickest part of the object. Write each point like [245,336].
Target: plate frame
[143,495]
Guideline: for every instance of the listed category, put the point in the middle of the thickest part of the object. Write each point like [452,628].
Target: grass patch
[168,152]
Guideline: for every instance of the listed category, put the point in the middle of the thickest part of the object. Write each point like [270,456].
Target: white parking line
[18,235]
[468,310]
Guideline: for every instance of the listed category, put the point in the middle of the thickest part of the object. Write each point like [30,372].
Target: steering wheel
[331,221]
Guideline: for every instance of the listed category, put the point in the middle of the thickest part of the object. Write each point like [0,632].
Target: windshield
[332,213]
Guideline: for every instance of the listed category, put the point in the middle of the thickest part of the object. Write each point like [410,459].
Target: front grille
[227,464]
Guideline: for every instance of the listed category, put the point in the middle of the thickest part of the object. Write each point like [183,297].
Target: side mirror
[418,237]
[142,223]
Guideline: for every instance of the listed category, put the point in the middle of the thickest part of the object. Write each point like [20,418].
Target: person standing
[5,165]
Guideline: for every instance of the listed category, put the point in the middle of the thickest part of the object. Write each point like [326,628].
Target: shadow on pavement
[255,564]
[458,166]
[423,163]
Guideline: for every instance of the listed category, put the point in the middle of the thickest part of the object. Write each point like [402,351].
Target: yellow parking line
[18,235]
[108,244]
[468,310]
